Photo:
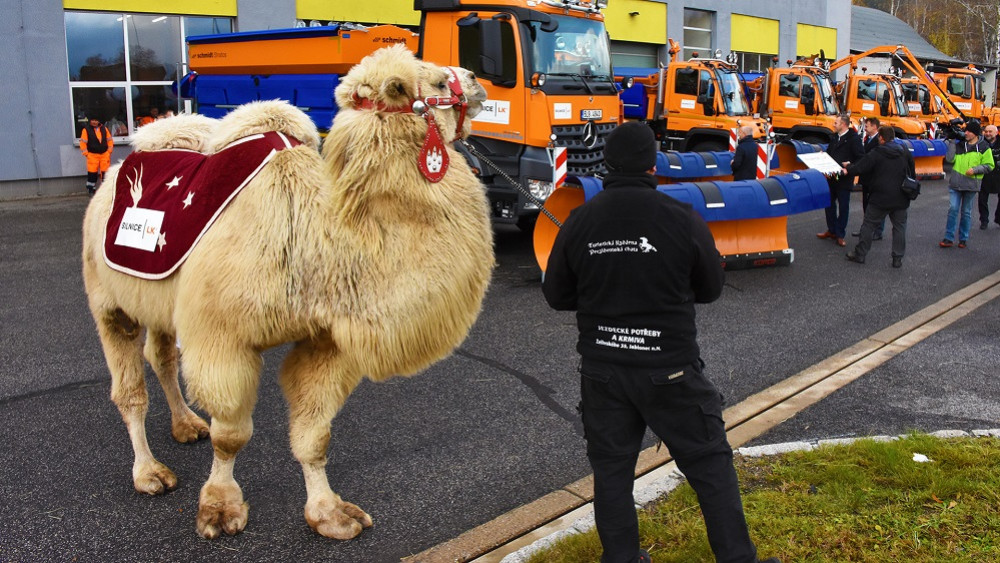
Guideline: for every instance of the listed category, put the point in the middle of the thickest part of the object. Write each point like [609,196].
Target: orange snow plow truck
[545,64]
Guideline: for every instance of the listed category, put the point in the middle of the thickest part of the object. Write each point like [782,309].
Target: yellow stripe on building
[812,38]
[399,12]
[648,25]
[754,35]
[186,7]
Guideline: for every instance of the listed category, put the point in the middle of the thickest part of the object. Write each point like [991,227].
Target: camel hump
[185,131]
[261,117]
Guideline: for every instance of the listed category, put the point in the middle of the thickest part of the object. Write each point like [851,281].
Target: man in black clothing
[845,148]
[991,180]
[745,158]
[870,140]
[632,262]
[885,168]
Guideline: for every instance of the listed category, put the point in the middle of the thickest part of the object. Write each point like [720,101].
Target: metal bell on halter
[419,107]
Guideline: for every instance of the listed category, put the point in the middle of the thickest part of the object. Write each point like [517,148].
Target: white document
[140,228]
[820,161]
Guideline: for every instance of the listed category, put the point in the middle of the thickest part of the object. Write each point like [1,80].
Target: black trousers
[684,410]
[984,207]
[874,218]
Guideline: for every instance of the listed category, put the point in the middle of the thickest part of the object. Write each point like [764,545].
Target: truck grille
[581,160]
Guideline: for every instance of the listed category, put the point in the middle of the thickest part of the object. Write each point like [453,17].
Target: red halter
[433,159]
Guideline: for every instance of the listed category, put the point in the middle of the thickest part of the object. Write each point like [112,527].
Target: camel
[354,255]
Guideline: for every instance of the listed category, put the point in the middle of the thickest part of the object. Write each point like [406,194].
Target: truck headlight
[540,188]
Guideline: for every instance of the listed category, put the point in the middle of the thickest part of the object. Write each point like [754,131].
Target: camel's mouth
[474,92]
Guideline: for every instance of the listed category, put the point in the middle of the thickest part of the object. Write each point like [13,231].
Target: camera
[952,130]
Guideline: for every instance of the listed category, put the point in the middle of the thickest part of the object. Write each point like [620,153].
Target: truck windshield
[577,48]
[827,100]
[732,92]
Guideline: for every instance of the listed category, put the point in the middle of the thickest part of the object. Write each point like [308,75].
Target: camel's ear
[395,91]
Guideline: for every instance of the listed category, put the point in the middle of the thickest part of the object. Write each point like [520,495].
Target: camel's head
[393,80]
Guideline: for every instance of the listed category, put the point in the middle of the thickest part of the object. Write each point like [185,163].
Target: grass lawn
[867,501]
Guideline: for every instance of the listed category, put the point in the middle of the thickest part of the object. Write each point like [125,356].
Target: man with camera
[970,159]
[991,180]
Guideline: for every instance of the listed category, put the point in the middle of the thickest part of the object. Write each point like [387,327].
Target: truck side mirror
[490,49]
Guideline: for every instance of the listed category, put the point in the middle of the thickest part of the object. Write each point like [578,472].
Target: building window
[754,62]
[631,54]
[121,66]
[698,25]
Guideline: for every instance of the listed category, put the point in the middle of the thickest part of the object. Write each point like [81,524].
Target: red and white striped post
[762,161]
[932,130]
[732,140]
[559,167]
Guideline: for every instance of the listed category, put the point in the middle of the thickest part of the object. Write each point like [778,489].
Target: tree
[963,29]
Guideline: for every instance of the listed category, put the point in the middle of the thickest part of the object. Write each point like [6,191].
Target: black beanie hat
[631,147]
[974,127]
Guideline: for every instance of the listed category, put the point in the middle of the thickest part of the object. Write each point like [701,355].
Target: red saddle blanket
[165,201]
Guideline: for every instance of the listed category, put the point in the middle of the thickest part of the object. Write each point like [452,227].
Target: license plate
[588,114]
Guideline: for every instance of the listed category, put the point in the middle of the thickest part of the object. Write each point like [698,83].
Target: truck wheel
[710,146]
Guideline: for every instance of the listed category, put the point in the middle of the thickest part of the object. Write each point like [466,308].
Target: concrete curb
[646,494]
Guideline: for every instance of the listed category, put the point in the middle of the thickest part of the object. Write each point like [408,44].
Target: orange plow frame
[742,243]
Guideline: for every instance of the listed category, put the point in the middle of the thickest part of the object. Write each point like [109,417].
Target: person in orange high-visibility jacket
[96,145]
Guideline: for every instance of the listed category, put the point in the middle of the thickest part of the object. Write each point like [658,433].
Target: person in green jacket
[970,159]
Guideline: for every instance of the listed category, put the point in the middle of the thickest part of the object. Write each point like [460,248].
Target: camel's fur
[369,268]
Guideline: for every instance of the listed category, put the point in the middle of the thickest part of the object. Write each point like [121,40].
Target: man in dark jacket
[991,180]
[885,168]
[870,141]
[845,148]
[632,262]
[745,158]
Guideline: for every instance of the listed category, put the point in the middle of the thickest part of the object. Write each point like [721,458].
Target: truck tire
[710,146]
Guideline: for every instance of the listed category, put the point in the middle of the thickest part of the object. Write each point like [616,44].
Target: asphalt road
[484,431]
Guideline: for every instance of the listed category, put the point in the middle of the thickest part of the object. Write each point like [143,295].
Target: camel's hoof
[153,478]
[221,509]
[189,429]
[335,518]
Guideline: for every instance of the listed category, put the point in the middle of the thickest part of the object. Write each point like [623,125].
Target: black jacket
[884,169]
[846,148]
[745,160]
[632,262]
[869,145]
[991,180]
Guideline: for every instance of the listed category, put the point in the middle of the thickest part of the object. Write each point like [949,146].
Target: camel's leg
[223,379]
[316,386]
[121,339]
[161,352]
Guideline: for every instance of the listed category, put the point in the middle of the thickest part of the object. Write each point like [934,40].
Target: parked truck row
[546,66]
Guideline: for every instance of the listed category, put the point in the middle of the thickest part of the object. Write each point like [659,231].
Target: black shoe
[983,225]
[644,557]
[897,261]
[854,257]
[877,236]
[856,234]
